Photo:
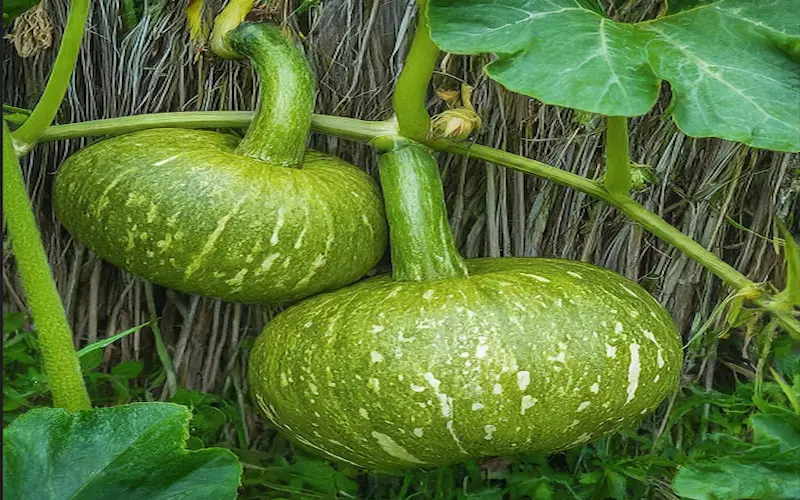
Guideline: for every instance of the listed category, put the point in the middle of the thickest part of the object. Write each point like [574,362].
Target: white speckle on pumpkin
[165,160]
[536,277]
[657,378]
[595,388]
[559,358]
[314,389]
[477,406]
[446,404]
[618,327]
[523,379]
[452,431]
[489,430]
[559,303]
[574,274]
[284,381]
[497,389]
[377,328]
[363,413]
[278,225]
[660,359]
[645,410]
[526,402]
[392,448]
[581,439]
[633,372]
[375,356]
[481,350]
[374,384]
[428,295]
[629,291]
[417,388]
[419,432]
[583,405]
[611,351]
[520,306]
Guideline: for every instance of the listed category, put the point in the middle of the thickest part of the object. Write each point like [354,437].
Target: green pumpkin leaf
[134,452]
[733,65]
[784,428]
[765,470]
[13,8]
[760,473]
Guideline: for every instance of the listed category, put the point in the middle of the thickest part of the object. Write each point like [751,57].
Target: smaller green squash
[445,360]
[259,220]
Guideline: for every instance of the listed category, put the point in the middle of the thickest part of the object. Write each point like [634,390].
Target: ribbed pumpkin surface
[524,355]
[179,208]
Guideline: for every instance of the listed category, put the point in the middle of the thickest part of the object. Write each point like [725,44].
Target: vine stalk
[617,178]
[410,94]
[26,136]
[55,338]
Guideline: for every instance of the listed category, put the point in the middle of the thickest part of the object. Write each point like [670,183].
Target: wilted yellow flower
[32,32]
[456,123]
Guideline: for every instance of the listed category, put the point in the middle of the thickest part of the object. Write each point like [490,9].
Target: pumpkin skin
[181,209]
[524,355]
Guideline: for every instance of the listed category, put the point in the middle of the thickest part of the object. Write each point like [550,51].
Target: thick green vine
[55,338]
[26,136]
[410,95]
[617,178]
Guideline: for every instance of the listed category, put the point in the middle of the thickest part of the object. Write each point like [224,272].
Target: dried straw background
[704,186]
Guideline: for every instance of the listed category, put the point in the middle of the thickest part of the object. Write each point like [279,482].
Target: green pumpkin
[256,221]
[445,360]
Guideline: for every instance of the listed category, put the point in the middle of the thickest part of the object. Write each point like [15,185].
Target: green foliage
[729,468]
[732,65]
[13,8]
[132,451]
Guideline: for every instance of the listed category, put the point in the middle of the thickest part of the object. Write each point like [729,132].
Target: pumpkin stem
[287,89]
[421,240]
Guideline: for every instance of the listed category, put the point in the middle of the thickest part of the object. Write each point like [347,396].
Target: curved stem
[411,92]
[287,89]
[421,238]
[55,338]
[617,178]
[28,133]
[364,131]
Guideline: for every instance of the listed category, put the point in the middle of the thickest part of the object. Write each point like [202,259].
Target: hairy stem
[28,133]
[55,338]
[617,179]
[364,131]
[411,92]
[421,238]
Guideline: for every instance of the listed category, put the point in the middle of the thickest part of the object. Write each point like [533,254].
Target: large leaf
[767,470]
[733,64]
[131,452]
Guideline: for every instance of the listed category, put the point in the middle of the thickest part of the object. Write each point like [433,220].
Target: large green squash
[443,361]
[258,220]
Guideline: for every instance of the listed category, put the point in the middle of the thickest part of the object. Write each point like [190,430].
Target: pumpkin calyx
[287,89]
[421,241]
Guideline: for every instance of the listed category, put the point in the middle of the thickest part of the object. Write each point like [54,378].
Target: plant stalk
[287,89]
[421,239]
[364,131]
[55,337]
[617,178]
[26,136]
[411,93]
